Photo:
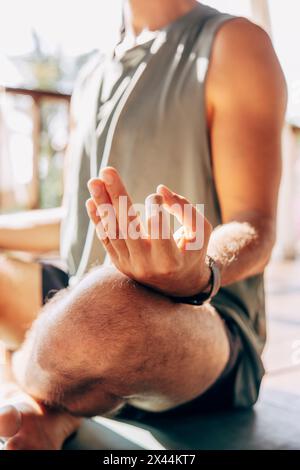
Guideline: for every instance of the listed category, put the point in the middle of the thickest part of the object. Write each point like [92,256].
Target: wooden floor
[282,354]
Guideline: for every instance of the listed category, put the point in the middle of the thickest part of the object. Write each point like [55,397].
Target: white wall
[235,7]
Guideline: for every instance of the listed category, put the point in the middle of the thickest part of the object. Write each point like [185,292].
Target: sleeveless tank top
[144,113]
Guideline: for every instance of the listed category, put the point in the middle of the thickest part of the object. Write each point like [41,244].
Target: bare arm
[34,231]
[38,231]
[246,93]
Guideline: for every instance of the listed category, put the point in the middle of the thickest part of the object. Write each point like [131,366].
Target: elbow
[264,262]
[267,240]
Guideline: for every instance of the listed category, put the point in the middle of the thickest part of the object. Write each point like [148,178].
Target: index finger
[121,201]
[185,212]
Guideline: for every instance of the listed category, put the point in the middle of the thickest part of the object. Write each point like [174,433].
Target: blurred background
[44,43]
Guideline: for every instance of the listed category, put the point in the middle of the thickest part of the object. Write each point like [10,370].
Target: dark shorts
[218,397]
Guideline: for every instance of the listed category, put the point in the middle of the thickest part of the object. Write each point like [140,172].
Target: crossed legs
[108,342]
[27,424]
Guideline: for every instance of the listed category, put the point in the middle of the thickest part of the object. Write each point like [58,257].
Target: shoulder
[244,62]
[236,33]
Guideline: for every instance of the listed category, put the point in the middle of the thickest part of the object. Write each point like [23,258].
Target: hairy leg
[110,341]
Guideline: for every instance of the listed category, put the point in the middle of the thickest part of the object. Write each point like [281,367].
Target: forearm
[242,249]
[35,231]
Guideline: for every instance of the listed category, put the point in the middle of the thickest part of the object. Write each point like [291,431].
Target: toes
[21,442]
[10,421]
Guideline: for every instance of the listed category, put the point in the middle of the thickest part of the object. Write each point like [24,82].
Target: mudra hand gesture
[174,264]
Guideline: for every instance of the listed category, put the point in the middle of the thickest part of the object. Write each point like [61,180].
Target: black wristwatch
[202,297]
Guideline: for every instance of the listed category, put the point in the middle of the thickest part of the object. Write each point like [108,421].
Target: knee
[106,313]
[101,331]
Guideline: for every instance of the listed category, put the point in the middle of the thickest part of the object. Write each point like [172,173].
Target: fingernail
[164,189]
[6,409]
[88,205]
[107,177]
[95,188]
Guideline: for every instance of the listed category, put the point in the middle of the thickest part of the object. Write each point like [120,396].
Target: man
[196,100]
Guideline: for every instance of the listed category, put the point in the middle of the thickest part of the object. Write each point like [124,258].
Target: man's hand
[172,264]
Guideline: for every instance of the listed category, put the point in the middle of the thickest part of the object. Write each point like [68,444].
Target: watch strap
[202,297]
[216,278]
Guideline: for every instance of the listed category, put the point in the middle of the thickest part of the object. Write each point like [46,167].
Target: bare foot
[26,425]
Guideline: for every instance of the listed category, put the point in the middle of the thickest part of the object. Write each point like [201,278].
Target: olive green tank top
[143,111]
